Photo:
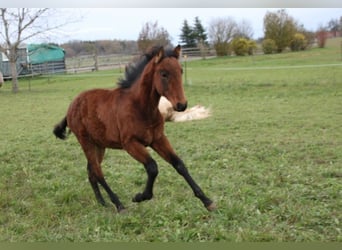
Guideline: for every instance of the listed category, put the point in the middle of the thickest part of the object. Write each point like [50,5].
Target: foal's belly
[107,139]
[115,138]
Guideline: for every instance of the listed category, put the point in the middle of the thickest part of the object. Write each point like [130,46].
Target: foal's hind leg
[95,155]
[93,182]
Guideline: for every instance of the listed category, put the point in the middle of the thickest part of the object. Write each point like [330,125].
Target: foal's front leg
[165,150]
[139,152]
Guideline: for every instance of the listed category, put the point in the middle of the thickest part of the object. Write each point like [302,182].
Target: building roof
[40,53]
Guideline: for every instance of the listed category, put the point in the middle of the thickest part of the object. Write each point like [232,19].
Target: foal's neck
[147,96]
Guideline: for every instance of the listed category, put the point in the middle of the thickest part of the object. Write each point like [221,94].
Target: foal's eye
[164,74]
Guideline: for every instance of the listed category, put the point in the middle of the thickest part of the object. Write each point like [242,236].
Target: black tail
[60,129]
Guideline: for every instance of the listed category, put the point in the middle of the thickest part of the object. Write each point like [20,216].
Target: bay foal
[128,118]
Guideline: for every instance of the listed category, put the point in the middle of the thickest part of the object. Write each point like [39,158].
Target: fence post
[185,70]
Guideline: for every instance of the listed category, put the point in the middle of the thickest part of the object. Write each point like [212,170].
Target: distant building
[36,59]
[46,59]
[22,63]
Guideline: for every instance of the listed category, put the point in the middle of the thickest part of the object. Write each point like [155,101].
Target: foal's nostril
[181,106]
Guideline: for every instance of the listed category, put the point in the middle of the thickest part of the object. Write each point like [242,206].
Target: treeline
[224,34]
[281,32]
[100,47]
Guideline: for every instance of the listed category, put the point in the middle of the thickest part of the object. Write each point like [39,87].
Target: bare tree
[19,25]
[322,36]
[244,29]
[334,26]
[221,32]
[152,34]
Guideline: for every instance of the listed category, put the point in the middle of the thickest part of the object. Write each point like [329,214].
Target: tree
[280,27]
[310,36]
[187,36]
[104,47]
[221,32]
[193,36]
[151,34]
[16,27]
[244,30]
[334,26]
[199,33]
[322,36]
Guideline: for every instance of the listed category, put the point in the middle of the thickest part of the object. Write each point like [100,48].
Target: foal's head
[167,78]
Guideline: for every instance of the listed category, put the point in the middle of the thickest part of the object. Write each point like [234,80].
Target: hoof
[141,197]
[123,211]
[138,198]
[211,207]
[102,202]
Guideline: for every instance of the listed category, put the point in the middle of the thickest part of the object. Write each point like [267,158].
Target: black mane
[134,69]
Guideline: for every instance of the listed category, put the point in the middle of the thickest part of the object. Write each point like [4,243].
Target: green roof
[40,53]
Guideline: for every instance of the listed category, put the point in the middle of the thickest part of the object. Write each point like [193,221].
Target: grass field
[270,156]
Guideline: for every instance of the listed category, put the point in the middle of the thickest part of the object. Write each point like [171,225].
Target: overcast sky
[126,23]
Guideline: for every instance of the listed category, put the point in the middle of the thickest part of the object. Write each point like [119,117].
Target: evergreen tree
[187,36]
[199,33]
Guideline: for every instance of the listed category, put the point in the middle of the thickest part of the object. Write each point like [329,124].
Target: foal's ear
[159,56]
[177,51]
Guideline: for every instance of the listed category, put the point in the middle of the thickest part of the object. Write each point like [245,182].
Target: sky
[126,23]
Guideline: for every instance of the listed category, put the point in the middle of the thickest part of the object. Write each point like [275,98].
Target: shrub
[321,37]
[240,46]
[298,42]
[222,49]
[310,38]
[269,46]
[251,47]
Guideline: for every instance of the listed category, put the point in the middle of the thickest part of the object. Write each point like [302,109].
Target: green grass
[270,156]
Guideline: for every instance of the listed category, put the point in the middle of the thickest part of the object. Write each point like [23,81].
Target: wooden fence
[92,62]
[114,61]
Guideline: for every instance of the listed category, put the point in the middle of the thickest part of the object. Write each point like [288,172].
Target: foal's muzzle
[181,106]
